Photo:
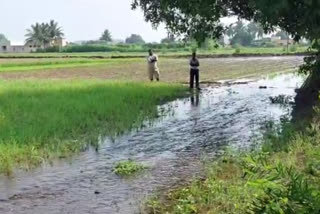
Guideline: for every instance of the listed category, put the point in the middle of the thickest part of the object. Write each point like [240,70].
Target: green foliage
[169,39]
[293,48]
[98,46]
[106,36]
[135,39]
[3,38]
[126,168]
[41,120]
[270,45]
[202,19]
[32,66]
[282,34]
[244,34]
[42,34]
[237,50]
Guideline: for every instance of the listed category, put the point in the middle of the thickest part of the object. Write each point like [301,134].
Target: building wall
[4,46]
[19,49]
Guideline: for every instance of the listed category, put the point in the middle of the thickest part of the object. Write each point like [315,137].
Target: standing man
[153,66]
[194,71]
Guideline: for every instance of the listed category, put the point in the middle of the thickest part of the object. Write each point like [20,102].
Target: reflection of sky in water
[173,146]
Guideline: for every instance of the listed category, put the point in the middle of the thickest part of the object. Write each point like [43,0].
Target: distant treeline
[74,48]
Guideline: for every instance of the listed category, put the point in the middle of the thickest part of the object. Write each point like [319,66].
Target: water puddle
[174,147]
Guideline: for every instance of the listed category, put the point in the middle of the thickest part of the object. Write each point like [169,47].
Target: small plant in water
[282,99]
[129,167]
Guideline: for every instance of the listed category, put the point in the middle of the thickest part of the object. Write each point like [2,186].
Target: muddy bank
[190,131]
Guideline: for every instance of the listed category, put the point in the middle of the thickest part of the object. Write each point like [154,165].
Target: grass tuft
[127,168]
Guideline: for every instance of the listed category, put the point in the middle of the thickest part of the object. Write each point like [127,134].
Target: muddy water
[174,147]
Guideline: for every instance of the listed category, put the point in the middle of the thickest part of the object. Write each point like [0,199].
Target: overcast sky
[80,19]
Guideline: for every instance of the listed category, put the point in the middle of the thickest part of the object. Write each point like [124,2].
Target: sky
[80,19]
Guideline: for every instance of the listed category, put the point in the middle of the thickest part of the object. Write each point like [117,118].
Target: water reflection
[195,97]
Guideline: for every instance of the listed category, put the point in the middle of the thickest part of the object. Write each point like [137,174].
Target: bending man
[153,66]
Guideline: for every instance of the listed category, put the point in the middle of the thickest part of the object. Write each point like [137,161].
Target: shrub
[270,45]
[293,48]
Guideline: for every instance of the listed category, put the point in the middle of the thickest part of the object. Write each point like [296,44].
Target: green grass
[127,168]
[41,120]
[54,64]
[282,177]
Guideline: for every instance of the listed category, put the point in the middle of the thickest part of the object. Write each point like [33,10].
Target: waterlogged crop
[126,168]
[41,120]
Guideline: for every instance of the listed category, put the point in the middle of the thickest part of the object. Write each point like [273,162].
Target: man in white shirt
[153,66]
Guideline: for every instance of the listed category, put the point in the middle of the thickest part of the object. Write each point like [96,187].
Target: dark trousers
[194,74]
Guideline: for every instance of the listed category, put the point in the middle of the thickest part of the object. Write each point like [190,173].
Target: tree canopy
[135,39]
[106,36]
[282,34]
[3,37]
[169,39]
[201,18]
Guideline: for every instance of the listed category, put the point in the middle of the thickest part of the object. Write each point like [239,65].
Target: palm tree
[55,32]
[38,35]
[42,34]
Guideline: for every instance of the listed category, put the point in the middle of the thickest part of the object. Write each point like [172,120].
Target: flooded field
[174,146]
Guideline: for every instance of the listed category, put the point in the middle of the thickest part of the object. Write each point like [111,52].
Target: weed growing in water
[127,168]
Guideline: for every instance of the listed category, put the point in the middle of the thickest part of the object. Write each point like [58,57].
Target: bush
[49,50]
[293,48]
[270,45]
[237,48]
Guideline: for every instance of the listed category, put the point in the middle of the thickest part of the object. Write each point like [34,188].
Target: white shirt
[153,61]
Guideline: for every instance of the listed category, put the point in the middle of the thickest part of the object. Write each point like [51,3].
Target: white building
[6,47]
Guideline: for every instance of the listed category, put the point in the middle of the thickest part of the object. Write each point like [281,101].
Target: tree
[201,19]
[3,37]
[282,34]
[243,37]
[38,34]
[42,34]
[55,32]
[169,39]
[106,36]
[135,39]
[255,29]
[241,34]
